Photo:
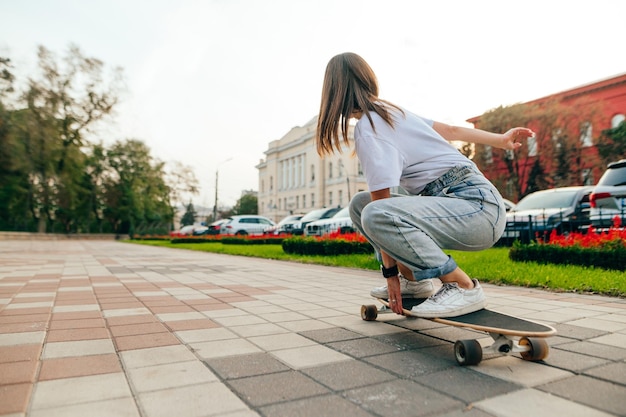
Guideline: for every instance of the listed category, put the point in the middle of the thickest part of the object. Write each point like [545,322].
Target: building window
[616,120]
[340,196]
[360,170]
[330,198]
[297,202]
[312,200]
[271,183]
[312,173]
[303,200]
[586,133]
[330,170]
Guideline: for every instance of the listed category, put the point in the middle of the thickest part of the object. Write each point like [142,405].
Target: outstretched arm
[508,140]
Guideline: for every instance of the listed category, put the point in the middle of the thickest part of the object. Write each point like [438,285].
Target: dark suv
[608,199]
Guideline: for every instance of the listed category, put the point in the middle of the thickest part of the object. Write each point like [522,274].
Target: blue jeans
[461,210]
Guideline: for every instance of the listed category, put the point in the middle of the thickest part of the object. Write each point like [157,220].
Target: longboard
[510,334]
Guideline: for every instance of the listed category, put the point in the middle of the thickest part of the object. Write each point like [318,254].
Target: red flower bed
[616,235]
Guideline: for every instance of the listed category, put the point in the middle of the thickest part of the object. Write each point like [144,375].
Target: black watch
[389,272]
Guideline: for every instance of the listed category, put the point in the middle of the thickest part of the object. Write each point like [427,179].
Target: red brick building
[568,125]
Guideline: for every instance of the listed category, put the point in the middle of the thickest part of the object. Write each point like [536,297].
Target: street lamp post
[216,177]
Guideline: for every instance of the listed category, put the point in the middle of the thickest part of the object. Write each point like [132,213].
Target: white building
[293,178]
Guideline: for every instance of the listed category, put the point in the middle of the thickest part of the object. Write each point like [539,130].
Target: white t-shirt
[410,154]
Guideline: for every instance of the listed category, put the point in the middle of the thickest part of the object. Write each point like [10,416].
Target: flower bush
[335,243]
[595,248]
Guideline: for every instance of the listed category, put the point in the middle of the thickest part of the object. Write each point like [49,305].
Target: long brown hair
[349,85]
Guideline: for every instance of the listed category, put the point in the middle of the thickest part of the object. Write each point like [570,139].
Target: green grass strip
[492,265]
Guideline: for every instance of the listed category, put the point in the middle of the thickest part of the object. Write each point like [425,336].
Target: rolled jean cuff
[444,269]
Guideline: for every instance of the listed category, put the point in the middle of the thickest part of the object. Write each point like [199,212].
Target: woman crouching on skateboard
[450,204]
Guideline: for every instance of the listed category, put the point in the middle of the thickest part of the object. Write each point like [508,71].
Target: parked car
[311,216]
[187,230]
[608,198]
[214,228]
[340,221]
[246,224]
[564,209]
[200,230]
[285,225]
[508,204]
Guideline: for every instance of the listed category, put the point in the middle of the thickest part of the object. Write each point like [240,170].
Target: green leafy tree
[190,215]
[612,144]
[67,99]
[136,196]
[13,177]
[247,204]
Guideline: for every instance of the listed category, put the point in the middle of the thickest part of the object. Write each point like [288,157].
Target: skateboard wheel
[369,312]
[468,352]
[538,348]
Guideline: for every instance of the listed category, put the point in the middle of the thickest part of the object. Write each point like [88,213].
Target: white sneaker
[450,301]
[410,289]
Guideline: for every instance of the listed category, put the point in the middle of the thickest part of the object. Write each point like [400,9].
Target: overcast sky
[213,80]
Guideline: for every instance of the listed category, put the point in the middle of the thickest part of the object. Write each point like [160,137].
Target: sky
[210,83]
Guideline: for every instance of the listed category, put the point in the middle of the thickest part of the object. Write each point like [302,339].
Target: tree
[553,158]
[182,181]
[247,204]
[62,104]
[612,144]
[517,164]
[190,215]
[136,196]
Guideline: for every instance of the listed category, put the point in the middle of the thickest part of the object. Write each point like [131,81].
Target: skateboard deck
[510,334]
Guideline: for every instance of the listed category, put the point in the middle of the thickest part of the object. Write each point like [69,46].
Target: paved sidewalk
[98,328]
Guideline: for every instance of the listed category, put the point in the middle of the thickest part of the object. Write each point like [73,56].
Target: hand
[511,139]
[395,294]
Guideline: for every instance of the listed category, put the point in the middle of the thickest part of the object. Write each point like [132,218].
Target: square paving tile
[518,371]
[171,375]
[20,353]
[79,366]
[592,392]
[145,341]
[14,398]
[246,365]
[156,356]
[325,405]
[274,388]
[402,399]
[309,356]
[62,392]
[411,364]
[17,372]
[206,400]
[468,385]
[612,372]
[530,402]
[119,407]
[77,348]
[346,375]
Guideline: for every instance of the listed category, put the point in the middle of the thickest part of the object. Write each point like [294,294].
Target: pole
[216,176]
[215,206]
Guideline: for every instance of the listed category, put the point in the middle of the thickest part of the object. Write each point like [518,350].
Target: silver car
[608,199]
[246,224]
[341,221]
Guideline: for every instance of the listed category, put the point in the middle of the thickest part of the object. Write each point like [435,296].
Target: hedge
[314,246]
[613,257]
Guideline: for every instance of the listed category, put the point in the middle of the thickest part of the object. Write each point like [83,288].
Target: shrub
[603,250]
[331,244]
